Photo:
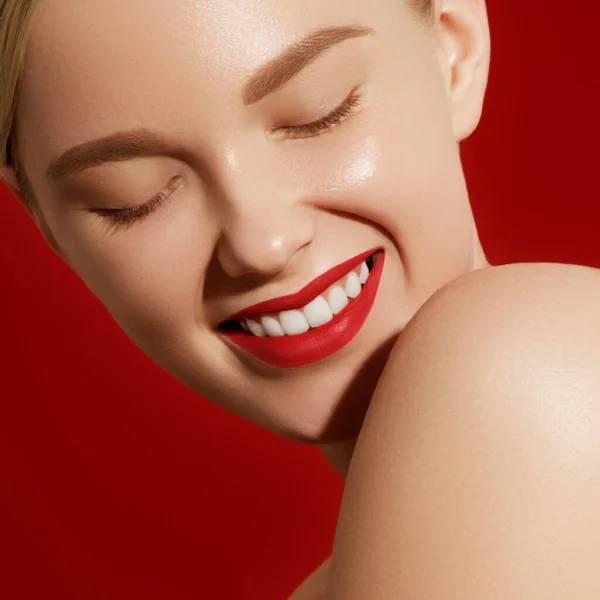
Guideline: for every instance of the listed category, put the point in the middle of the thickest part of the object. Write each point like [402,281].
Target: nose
[262,239]
[262,227]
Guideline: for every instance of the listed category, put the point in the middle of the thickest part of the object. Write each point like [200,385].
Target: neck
[339,455]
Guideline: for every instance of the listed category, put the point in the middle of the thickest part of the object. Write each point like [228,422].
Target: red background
[116,482]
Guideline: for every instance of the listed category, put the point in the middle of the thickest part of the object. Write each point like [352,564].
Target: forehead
[97,66]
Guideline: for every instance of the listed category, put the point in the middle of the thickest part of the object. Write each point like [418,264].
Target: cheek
[400,172]
[149,277]
[402,175]
[355,167]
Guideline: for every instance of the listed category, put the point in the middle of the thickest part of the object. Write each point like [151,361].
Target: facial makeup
[303,328]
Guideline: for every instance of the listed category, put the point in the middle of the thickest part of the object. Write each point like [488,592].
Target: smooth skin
[470,441]
[259,213]
[477,471]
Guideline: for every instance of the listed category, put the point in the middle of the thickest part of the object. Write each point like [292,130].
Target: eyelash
[125,217]
[336,117]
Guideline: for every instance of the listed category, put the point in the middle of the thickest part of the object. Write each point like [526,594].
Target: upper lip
[307,293]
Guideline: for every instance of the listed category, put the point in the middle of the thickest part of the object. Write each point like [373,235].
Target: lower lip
[293,351]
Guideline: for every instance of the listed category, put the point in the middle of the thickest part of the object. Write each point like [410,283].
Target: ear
[463,44]
[8,176]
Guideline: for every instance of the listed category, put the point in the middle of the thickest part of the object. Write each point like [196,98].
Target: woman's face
[256,204]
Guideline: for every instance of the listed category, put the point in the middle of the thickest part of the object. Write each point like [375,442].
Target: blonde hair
[16,17]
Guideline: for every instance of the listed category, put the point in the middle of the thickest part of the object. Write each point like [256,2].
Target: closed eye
[122,218]
[340,114]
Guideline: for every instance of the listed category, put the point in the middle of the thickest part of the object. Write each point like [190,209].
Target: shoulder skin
[477,471]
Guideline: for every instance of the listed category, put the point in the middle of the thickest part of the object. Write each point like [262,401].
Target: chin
[345,414]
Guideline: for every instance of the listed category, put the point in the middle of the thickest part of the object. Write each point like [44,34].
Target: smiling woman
[268,197]
[313,114]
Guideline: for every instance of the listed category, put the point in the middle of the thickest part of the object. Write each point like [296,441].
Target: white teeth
[293,322]
[272,326]
[352,285]
[364,273]
[256,328]
[317,312]
[337,299]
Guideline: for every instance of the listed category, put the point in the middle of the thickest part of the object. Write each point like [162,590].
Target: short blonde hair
[16,18]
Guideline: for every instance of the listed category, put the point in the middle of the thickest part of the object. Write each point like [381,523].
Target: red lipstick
[307,293]
[292,351]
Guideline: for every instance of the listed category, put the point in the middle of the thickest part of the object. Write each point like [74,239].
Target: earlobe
[464,52]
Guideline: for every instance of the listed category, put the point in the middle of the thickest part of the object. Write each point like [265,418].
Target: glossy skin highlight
[256,215]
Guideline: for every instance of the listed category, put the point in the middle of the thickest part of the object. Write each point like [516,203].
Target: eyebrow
[269,78]
[116,147]
[279,70]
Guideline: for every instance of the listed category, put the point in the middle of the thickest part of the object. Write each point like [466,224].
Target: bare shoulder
[477,471]
[523,318]
[524,293]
